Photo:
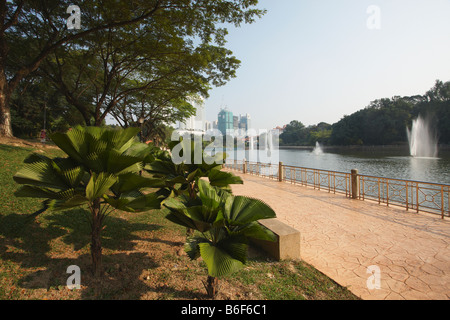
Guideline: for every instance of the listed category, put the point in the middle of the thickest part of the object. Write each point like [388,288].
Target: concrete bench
[287,245]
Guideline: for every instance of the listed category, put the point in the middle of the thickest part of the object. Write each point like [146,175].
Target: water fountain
[422,141]
[317,149]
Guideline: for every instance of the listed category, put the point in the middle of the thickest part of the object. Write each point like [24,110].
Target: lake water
[389,162]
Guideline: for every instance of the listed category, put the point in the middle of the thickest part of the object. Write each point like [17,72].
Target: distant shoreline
[401,147]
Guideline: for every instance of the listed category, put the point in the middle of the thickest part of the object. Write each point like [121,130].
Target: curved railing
[412,195]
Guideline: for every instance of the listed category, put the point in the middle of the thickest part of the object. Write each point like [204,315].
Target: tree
[320,133]
[136,72]
[101,171]
[224,224]
[33,30]
[293,134]
[439,92]
[36,104]
[157,114]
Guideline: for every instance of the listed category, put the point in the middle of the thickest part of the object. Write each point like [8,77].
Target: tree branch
[49,48]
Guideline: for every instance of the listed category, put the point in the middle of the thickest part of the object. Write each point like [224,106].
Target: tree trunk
[212,286]
[96,239]
[192,194]
[189,232]
[5,113]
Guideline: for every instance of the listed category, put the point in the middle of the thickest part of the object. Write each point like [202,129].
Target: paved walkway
[342,238]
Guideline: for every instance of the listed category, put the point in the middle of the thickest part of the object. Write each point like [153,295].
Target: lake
[388,162]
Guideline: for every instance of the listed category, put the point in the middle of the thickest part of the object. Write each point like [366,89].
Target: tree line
[382,122]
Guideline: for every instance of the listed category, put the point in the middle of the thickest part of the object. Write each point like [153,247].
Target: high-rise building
[244,122]
[208,125]
[195,123]
[235,122]
[225,121]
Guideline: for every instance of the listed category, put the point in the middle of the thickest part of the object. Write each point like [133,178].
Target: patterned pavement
[378,252]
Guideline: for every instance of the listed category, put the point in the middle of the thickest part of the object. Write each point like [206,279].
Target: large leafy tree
[294,133]
[224,225]
[154,111]
[36,105]
[101,171]
[142,71]
[31,31]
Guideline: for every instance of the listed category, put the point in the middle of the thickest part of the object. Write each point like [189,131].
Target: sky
[318,60]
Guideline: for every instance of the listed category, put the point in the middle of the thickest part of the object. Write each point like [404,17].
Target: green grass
[35,253]
[291,280]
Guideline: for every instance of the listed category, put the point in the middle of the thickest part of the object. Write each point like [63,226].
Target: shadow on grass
[8,148]
[44,250]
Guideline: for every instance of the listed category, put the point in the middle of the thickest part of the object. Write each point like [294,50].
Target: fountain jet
[317,149]
[422,141]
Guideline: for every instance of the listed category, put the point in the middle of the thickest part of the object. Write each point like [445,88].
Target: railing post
[280,171]
[355,184]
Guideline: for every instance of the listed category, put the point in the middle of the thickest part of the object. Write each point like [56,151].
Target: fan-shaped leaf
[99,185]
[135,201]
[223,179]
[40,171]
[218,261]
[256,231]
[132,181]
[244,210]
[191,247]
[36,192]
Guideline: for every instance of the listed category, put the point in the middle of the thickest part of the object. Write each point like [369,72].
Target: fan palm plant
[224,223]
[101,170]
[182,179]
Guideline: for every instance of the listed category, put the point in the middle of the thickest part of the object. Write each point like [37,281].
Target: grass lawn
[143,255]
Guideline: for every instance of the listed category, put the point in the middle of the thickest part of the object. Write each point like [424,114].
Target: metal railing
[331,181]
[262,169]
[412,195]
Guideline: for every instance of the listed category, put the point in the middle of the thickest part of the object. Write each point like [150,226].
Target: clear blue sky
[316,60]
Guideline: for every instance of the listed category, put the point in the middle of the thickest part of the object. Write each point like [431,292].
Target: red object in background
[43,135]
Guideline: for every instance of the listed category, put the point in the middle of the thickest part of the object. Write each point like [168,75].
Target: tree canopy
[122,48]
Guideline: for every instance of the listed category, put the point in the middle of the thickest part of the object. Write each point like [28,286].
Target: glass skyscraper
[225,121]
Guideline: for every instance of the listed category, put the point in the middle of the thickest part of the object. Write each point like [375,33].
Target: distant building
[280,129]
[235,122]
[225,121]
[208,125]
[244,122]
[195,123]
